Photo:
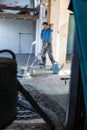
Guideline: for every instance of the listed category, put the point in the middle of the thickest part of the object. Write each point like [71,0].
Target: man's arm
[51,26]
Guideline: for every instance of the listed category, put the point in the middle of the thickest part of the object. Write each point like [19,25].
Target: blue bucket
[55,68]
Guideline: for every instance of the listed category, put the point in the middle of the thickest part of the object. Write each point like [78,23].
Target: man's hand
[51,26]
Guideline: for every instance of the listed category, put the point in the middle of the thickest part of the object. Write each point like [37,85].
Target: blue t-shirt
[47,35]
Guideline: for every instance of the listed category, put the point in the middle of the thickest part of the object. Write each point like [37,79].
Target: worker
[47,39]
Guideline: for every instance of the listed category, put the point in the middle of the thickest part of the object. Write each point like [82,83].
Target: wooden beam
[18,8]
[18,16]
[49,11]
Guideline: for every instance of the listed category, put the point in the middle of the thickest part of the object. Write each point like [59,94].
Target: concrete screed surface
[49,91]
[36,124]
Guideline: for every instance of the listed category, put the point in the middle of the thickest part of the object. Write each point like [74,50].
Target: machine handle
[9,51]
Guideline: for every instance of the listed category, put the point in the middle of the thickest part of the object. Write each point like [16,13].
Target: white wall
[59,16]
[10,37]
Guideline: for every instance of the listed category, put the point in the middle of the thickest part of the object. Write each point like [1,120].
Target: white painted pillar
[38,39]
[36,3]
[38,31]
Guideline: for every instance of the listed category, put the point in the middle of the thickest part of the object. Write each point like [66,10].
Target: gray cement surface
[49,90]
[36,124]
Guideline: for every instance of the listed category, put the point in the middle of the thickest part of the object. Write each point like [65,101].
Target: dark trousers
[47,47]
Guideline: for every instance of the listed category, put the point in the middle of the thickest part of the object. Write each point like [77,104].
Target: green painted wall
[70,34]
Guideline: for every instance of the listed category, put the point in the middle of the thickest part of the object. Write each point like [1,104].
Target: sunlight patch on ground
[65,72]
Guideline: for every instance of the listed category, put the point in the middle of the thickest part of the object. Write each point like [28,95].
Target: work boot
[42,66]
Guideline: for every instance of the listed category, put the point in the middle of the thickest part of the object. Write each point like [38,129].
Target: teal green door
[80,12]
